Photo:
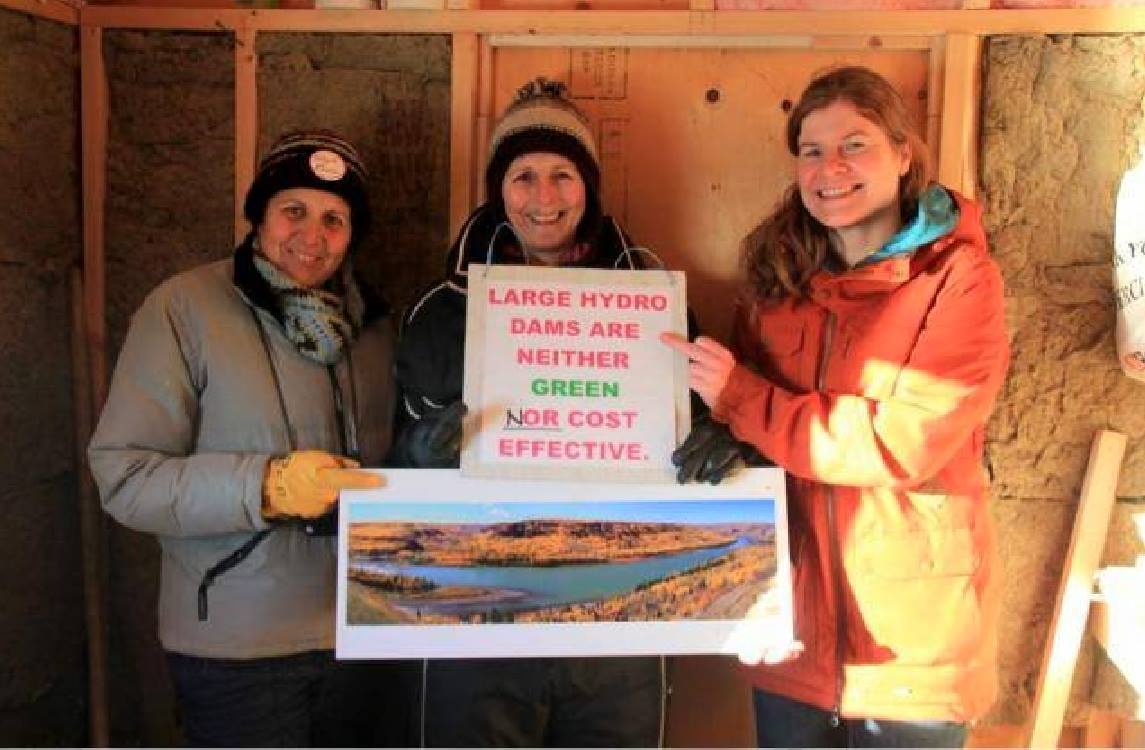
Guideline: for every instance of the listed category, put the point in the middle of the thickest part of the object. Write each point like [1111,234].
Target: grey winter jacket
[191,420]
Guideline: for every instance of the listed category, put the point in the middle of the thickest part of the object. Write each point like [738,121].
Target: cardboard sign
[564,373]
[435,564]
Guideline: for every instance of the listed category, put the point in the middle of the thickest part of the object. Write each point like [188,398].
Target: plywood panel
[691,140]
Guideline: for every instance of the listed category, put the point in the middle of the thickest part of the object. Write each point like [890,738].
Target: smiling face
[305,233]
[544,198]
[848,172]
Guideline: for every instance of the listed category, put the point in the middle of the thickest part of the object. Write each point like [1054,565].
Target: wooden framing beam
[93,126]
[483,124]
[1098,493]
[932,128]
[92,349]
[958,149]
[708,41]
[463,150]
[628,23]
[53,10]
[246,120]
[93,535]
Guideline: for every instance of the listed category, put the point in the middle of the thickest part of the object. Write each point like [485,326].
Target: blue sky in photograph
[675,511]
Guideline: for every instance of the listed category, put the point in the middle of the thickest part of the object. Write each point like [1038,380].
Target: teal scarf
[937,216]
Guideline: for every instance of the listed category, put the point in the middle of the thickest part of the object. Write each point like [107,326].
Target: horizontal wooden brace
[629,23]
[722,41]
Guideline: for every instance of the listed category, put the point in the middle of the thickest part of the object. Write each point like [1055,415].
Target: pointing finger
[348,479]
[676,341]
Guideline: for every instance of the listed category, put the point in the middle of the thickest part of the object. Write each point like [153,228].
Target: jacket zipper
[834,546]
[840,607]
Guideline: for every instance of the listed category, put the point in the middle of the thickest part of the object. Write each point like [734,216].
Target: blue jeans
[302,700]
[782,722]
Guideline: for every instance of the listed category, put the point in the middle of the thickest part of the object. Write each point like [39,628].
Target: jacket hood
[967,230]
[874,276]
[969,227]
[486,237]
[937,215]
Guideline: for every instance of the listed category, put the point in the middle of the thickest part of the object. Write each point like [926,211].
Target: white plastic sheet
[1129,270]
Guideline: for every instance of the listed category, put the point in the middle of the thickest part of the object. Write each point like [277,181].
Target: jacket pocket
[921,534]
[930,553]
[783,338]
[783,343]
[914,586]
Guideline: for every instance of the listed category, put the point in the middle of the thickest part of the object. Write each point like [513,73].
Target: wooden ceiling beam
[625,23]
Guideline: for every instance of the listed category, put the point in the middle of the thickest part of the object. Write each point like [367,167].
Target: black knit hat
[315,159]
[543,120]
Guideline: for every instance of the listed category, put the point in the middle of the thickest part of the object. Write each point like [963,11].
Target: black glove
[434,441]
[711,452]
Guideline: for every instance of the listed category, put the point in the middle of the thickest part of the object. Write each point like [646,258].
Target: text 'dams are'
[572,328]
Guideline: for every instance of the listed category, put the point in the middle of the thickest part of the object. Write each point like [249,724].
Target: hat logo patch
[327,165]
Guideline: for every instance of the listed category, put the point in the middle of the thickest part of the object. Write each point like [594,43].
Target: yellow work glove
[305,484]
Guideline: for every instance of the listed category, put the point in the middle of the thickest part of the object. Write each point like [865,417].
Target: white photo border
[563,639]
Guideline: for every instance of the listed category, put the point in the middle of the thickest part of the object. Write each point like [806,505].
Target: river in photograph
[538,587]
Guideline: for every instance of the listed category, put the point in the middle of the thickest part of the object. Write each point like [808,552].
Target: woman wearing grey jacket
[245,396]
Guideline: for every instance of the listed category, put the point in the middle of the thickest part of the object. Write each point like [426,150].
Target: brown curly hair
[782,254]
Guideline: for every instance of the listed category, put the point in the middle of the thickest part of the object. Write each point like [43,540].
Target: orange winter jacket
[873,395]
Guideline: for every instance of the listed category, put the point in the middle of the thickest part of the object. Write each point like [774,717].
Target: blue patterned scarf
[320,323]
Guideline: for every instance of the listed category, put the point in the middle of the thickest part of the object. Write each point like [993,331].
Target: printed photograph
[427,563]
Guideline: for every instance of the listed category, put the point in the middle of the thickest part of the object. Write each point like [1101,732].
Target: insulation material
[170,180]
[389,95]
[1060,123]
[170,172]
[42,662]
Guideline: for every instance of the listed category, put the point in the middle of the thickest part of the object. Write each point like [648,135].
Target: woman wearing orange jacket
[865,363]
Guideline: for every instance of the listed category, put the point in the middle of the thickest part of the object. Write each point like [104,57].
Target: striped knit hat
[543,120]
[315,159]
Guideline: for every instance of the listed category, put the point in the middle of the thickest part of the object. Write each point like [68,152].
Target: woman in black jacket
[543,183]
